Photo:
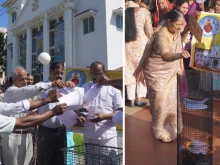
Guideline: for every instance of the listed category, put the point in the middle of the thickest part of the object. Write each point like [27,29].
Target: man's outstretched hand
[59,109]
[54,97]
[58,84]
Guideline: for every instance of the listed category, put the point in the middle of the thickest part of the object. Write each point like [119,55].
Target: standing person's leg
[13,149]
[29,149]
[131,92]
[172,104]
[141,92]
[46,143]
[60,143]
[164,114]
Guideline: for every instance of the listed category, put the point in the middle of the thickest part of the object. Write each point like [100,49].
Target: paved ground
[142,148]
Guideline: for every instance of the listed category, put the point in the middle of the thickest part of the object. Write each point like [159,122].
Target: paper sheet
[195,105]
[73,99]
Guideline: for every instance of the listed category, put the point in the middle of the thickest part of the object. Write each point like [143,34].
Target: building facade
[77,32]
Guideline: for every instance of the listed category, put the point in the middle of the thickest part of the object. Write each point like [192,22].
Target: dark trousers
[48,144]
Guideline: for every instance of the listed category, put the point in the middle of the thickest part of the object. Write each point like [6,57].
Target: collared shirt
[104,100]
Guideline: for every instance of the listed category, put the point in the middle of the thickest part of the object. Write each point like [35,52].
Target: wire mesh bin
[195,110]
[92,154]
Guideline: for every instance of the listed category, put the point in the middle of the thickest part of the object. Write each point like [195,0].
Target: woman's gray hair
[15,71]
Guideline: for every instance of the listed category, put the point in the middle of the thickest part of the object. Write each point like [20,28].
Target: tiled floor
[143,149]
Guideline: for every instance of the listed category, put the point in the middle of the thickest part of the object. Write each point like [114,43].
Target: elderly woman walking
[161,63]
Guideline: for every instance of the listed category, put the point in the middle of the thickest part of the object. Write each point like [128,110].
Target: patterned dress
[134,49]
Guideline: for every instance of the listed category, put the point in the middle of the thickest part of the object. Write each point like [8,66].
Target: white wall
[91,46]
[27,14]
[114,36]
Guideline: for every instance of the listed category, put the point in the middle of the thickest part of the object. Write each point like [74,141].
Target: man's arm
[101,117]
[19,94]
[8,109]
[32,120]
[116,82]
[50,99]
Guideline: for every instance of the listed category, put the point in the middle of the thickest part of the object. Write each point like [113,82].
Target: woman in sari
[159,66]
[138,30]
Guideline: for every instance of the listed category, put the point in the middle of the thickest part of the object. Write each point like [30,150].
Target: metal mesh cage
[195,109]
[92,154]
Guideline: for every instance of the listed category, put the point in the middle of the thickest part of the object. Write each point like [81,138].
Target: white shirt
[14,94]
[10,109]
[7,124]
[105,100]
[53,122]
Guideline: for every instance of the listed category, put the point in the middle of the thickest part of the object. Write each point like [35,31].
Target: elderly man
[21,139]
[48,148]
[100,99]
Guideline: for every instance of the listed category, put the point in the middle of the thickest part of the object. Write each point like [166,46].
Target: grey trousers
[48,144]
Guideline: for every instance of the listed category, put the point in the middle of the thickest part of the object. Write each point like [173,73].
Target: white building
[78,32]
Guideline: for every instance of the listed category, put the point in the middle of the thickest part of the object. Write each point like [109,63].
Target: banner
[205,56]
[80,76]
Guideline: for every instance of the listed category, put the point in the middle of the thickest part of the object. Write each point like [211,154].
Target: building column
[74,41]
[46,38]
[68,36]
[15,52]
[29,51]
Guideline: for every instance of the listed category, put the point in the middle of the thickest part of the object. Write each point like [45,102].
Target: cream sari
[161,80]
